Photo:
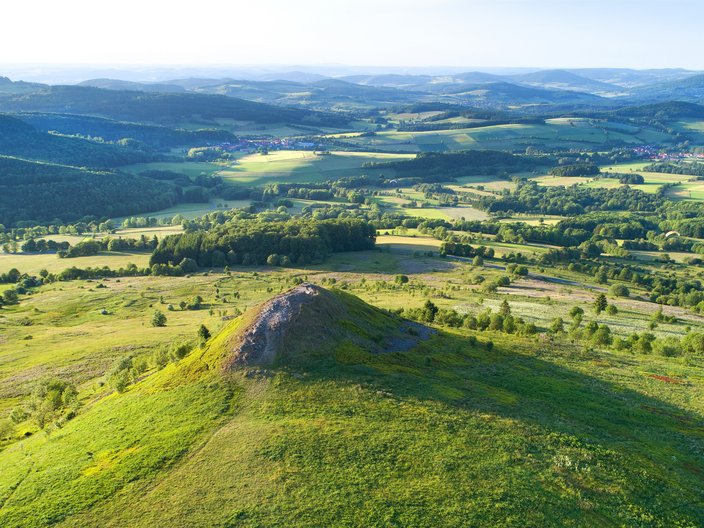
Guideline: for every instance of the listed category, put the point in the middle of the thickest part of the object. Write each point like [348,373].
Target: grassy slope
[528,434]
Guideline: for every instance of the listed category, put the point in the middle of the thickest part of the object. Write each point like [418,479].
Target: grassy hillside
[358,430]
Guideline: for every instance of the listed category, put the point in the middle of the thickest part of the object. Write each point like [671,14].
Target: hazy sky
[479,33]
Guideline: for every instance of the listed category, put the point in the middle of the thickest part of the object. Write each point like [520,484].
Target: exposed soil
[309,316]
[261,341]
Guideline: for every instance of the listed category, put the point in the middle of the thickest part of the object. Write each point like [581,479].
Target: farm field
[34,263]
[299,166]
[192,210]
[653,181]
[189,168]
[553,134]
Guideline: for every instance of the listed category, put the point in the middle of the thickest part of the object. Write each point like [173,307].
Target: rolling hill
[115,84]
[689,89]
[161,108]
[565,80]
[380,422]
[504,95]
[8,86]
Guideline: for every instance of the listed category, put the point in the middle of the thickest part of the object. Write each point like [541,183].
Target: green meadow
[292,166]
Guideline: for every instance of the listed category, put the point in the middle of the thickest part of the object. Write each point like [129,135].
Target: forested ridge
[159,107]
[155,136]
[20,139]
[33,192]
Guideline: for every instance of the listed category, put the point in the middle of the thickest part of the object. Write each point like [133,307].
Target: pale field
[34,263]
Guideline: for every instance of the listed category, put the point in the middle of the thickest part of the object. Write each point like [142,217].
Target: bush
[158,319]
[619,290]
[180,350]
[203,333]
[668,347]
[557,325]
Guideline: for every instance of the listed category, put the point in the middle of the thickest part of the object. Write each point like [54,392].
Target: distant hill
[427,83]
[293,76]
[565,80]
[18,87]
[160,107]
[504,94]
[689,89]
[325,94]
[629,78]
[394,80]
[114,84]
[667,110]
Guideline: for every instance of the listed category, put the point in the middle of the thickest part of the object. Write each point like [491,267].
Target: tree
[429,311]
[576,311]
[401,279]
[600,303]
[203,333]
[10,297]
[478,261]
[602,336]
[505,308]
[195,303]
[158,319]
[557,325]
[611,309]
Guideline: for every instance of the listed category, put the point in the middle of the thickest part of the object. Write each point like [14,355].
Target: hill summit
[309,320]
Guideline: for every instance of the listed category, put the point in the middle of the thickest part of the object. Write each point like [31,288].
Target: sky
[410,33]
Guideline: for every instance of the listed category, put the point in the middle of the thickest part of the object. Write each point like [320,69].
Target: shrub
[557,325]
[158,319]
[619,290]
[668,347]
[203,333]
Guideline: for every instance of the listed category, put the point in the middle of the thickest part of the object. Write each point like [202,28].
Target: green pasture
[300,166]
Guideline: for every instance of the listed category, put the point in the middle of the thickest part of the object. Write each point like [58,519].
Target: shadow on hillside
[645,433]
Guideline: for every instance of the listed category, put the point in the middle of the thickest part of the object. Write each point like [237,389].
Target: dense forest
[692,169]
[33,192]
[529,197]
[435,166]
[154,136]
[23,140]
[249,240]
